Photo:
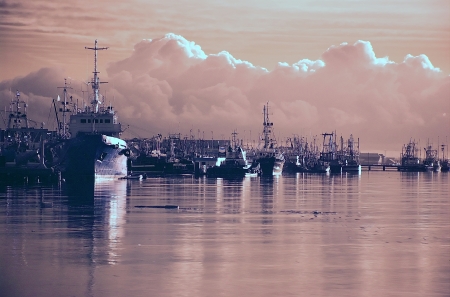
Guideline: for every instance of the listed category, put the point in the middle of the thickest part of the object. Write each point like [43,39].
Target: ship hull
[270,165]
[96,155]
[412,168]
[221,171]
[335,167]
[351,168]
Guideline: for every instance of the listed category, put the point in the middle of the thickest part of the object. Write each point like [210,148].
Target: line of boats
[88,143]
[411,161]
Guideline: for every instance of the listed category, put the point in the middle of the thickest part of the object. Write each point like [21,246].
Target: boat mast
[96,80]
[15,116]
[267,125]
[233,140]
[64,110]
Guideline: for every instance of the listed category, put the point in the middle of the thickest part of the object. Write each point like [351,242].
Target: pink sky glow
[376,69]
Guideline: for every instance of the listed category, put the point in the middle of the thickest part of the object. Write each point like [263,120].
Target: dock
[383,167]
[28,174]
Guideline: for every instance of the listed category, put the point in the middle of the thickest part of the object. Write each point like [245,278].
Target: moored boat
[431,161]
[94,147]
[234,164]
[444,161]
[409,161]
[24,147]
[328,156]
[269,157]
[350,157]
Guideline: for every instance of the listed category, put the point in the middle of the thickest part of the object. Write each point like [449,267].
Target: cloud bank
[171,85]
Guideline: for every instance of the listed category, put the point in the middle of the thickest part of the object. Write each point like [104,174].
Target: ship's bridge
[103,122]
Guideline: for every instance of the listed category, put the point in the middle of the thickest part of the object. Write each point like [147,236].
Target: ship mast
[267,125]
[15,116]
[235,143]
[96,80]
[63,130]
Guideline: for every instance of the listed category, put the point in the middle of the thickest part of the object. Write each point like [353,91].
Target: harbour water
[369,234]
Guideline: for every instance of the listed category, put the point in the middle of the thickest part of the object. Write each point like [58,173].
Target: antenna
[96,80]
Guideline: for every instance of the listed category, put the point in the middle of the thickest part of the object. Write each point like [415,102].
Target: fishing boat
[328,156]
[269,157]
[431,161]
[93,146]
[20,143]
[24,145]
[444,161]
[234,164]
[409,161]
[350,157]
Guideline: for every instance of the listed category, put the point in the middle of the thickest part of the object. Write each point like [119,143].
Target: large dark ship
[269,158]
[94,148]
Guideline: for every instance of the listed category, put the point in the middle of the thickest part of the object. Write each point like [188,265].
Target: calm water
[374,234]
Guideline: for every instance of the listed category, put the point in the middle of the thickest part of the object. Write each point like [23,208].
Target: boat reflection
[96,209]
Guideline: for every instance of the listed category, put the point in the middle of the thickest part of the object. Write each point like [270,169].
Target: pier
[383,167]
[28,174]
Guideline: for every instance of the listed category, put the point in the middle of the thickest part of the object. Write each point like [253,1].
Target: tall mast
[96,81]
[267,125]
[234,142]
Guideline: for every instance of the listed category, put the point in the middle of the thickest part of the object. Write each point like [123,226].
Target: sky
[379,70]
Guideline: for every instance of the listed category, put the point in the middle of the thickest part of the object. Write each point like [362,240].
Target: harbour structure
[94,147]
[269,157]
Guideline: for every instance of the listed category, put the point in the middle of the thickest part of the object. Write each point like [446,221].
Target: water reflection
[338,234]
[96,210]
[95,217]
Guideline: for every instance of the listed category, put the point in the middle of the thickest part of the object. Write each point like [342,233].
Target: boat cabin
[102,122]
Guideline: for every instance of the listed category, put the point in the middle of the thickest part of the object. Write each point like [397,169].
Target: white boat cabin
[102,122]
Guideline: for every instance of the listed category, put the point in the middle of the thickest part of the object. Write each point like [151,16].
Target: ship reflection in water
[99,205]
[306,234]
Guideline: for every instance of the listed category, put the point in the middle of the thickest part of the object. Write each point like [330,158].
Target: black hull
[351,168]
[335,168]
[95,155]
[218,171]
[445,166]
[270,165]
[412,168]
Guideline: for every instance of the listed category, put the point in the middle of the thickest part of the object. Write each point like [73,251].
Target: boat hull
[351,168]
[96,155]
[221,171]
[412,168]
[270,165]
